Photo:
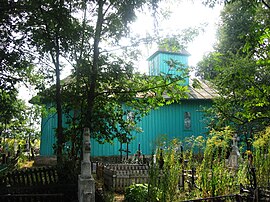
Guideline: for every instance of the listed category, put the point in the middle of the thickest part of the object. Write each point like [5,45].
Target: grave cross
[234,139]
[235,154]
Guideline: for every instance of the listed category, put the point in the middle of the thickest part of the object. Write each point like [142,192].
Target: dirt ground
[44,161]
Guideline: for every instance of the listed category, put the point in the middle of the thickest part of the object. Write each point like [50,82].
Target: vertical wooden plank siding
[48,129]
[48,125]
[157,64]
[167,120]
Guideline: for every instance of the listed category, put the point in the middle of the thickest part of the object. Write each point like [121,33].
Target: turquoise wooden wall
[167,120]
[157,63]
[48,127]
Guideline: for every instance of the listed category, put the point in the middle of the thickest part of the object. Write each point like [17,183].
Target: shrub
[137,193]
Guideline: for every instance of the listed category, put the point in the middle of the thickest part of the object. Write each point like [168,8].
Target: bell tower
[157,62]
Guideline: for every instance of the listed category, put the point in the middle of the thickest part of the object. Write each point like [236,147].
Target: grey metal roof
[202,91]
[197,90]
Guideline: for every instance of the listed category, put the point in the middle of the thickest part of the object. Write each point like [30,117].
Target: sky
[204,43]
[185,14]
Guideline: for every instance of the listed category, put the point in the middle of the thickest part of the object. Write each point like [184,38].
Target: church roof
[200,89]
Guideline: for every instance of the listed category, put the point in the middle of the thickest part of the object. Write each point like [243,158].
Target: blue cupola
[157,62]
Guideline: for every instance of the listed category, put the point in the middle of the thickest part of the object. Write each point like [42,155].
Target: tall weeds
[213,176]
[164,175]
[262,158]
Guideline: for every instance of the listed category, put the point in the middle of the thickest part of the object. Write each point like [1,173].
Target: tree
[235,29]
[47,28]
[16,68]
[54,31]
[239,70]
[112,87]
[20,128]
[118,94]
[212,3]
[100,97]
[56,20]
[13,62]
[39,26]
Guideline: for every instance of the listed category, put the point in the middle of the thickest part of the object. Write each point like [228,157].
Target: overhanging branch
[135,91]
[266,4]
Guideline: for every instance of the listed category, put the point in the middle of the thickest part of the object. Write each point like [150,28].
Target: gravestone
[86,182]
[234,155]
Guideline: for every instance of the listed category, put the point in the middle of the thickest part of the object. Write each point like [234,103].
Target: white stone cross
[234,139]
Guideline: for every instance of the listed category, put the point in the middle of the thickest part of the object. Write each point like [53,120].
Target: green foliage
[239,70]
[136,193]
[104,87]
[164,175]
[178,42]
[251,3]
[209,67]
[236,28]
[119,92]
[213,176]
[16,60]
[261,157]
[8,105]
[19,125]
[243,102]
[102,81]
[18,65]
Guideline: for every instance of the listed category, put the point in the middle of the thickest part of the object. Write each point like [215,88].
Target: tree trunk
[92,76]
[58,99]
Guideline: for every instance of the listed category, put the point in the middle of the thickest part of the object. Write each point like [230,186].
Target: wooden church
[177,120]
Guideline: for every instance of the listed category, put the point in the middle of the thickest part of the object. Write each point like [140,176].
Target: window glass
[187,121]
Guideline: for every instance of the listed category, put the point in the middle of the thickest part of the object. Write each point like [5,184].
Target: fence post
[182,179]
[193,171]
